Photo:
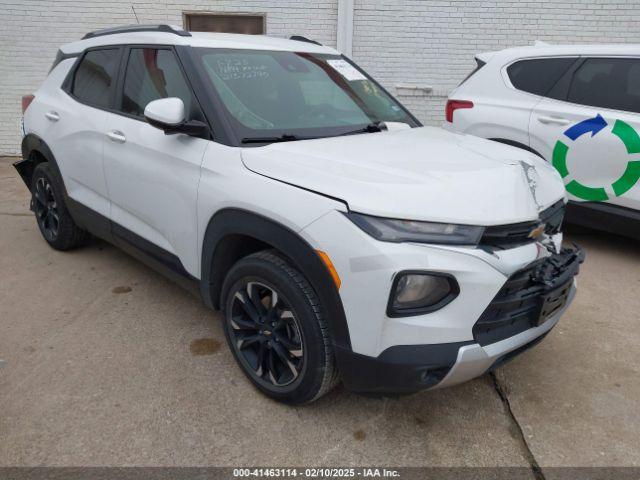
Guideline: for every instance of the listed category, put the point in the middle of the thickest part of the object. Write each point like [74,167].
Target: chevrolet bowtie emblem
[537,232]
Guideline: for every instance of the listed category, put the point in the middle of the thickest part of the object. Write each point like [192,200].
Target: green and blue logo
[625,133]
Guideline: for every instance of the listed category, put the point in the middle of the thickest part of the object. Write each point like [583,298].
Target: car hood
[418,174]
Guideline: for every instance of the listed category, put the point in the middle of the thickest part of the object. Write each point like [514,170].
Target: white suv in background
[576,106]
[339,238]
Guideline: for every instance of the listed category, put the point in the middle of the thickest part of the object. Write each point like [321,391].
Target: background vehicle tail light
[453,105]
[26,101]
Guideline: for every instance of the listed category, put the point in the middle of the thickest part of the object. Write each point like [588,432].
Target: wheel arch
[233,233]
[35,151]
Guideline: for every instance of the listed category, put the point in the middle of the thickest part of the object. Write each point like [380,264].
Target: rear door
[588,127]
[75,121]
[153,178]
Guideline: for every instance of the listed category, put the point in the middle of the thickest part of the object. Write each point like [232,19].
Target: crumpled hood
[419,174]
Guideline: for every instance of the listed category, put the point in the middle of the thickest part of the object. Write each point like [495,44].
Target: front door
[152,178]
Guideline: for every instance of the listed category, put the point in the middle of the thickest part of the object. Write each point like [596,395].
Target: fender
[222,246]
[83,216]
[31,144]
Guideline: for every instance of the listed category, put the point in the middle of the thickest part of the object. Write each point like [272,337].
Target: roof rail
[137,28]
[300,38]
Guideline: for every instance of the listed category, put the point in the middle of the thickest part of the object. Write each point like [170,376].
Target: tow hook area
[530,297]
[555,269]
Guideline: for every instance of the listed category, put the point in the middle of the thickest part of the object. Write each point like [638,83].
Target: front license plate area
[554,301]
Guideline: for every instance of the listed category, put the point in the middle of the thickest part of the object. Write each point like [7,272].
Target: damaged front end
[530,296]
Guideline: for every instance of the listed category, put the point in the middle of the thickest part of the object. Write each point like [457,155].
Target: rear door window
[538,75]
[95,77]
[612,83]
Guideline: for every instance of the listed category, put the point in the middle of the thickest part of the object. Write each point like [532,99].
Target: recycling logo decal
[627,135]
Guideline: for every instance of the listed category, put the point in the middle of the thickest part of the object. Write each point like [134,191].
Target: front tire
[276,329]
[53,218]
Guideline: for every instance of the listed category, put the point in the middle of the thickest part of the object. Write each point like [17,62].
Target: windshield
[270,94]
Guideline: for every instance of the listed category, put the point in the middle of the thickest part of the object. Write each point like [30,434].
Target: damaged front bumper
[474,360]
[528,306]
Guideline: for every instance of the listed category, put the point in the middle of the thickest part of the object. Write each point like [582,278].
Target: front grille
[516,234]
[529,297]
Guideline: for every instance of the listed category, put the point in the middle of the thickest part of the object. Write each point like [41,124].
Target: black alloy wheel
[46,208]
[266,335]
[276,329]
[48,202]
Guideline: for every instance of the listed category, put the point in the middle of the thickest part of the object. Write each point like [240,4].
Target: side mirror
[168,115]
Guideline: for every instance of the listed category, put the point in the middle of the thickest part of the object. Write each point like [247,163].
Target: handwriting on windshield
[241,69]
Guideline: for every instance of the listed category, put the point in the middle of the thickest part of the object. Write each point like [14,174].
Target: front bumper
[474,360]
[444,347]
[411,368]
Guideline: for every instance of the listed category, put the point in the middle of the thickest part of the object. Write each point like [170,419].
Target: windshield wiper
[285,137]
[288,137]
[371,128]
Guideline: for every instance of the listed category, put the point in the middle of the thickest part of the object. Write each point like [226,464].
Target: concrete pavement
[108,363]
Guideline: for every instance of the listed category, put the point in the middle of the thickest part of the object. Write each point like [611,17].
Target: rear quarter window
[94,78]
[538,75]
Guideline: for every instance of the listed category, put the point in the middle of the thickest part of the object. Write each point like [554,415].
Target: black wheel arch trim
[83,216]
[233,221]
[33,143]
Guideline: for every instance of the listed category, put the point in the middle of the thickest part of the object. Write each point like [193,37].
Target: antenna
[135,15]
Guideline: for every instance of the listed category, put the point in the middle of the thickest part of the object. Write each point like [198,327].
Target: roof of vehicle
[546,50]
[194,39]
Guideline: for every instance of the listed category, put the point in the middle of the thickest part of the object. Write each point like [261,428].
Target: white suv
[339,238]
[576,106]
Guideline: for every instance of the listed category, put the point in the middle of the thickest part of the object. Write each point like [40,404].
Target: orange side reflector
[332,270]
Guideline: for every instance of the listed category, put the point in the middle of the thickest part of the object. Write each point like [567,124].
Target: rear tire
[53,218]
[283,347]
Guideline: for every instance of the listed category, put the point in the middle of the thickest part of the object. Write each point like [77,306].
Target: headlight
[393,230]
[417,293]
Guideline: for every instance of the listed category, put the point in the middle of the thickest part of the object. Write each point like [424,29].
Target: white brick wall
[432,43]
[415,42]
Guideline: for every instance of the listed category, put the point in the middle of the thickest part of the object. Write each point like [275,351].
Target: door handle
[553,120]
[116,136]
[53,116]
